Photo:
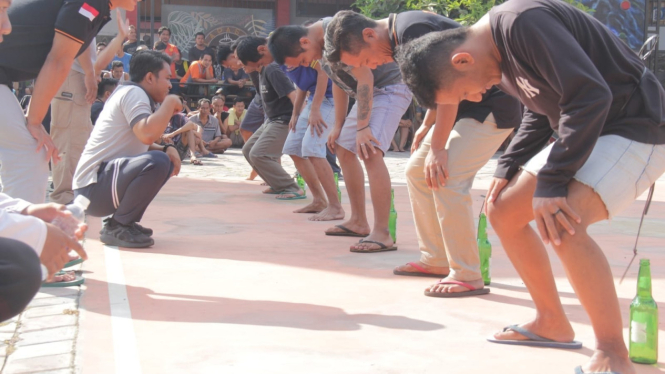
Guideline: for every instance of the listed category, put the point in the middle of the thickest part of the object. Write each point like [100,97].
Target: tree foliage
[465,12]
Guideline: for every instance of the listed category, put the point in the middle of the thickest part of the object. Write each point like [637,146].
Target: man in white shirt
[122,168]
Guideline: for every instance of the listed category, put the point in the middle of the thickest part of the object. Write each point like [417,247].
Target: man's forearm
[299,101]
[106,56]
[321,88]
[445,121]
[341,101]
[150,129]
[208,80]
[365,95]
[430,118]
[50,79]
[85,60]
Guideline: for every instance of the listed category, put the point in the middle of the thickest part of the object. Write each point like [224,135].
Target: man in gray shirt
[381,100]
[122,168]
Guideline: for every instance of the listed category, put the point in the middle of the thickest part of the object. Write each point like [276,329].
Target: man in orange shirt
[200,71]
[165,36]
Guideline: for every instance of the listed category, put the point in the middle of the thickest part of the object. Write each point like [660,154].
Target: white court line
[124,340]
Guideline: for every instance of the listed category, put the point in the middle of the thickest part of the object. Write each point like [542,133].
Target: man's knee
[160,162]
[20,277]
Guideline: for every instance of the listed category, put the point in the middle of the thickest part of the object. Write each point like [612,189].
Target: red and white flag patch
[89,12]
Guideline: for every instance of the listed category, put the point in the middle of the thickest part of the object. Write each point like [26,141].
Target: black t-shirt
[131,47]
[34,24]
[411,25]
[195,54]
[275,87]
[576,77]
[254,76]
[96,108]
[180,68]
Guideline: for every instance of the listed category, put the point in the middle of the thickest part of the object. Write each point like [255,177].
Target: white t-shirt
[113,136]
[14,225]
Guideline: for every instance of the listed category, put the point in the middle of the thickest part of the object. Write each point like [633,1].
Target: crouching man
[122,168]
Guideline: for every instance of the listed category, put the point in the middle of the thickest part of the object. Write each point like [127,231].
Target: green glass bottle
[392,223]
[484,249]
[301,184]
[643,335]
[339,192]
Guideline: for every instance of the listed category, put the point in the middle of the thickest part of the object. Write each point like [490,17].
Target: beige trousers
[71,127]
[445,221]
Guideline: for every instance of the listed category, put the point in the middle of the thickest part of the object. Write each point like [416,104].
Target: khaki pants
[70,129]
[263,151]
[23,169]
[444,218]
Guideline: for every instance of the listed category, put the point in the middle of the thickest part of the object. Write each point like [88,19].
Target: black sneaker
[144,230]
[113,233]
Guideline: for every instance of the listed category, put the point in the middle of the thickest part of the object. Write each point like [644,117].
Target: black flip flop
[382,247]
[346,232]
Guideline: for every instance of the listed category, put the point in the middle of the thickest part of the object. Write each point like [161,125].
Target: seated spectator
[122,154]
[104,89]
[231,127]
[123,57]
[210,130]
[100,47]
[189,143]
[179,68]
[219,110]
[27,238]
[117,72]
[220,94]
[402,133]
[235,79]
[200,48]
[199,72]
[132,42]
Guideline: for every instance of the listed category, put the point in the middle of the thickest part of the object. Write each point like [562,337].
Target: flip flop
[578,370]
[473,291]
[346,232]
[382,247]
[210,155]
[535,340]
[73,262]
[422,272]
[76,282]
[296,197]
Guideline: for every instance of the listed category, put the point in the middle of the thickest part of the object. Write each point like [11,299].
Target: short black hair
[238,100]
[199,33]
[345,33]
[106,85]
[247,49]
[206,53]
[144,62]
[159,46]
[117,64]
[425,63]
[162,29]
[203,101]
[285,42]
[223,53]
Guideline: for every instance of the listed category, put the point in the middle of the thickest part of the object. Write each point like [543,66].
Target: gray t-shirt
[211,129]
[384,75]
[113,136]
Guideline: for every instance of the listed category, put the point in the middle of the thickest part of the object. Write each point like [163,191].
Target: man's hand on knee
[549,210]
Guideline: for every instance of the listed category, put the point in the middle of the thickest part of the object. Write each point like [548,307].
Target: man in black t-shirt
[200,48]
[132,42]
[577,78]
[468,137]
[46,38]
[264,148]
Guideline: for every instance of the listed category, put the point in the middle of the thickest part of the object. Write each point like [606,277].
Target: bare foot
[606,361]
[440,270]
[314,207]
[450,288]
[68,276]
[360,228]
[557,330]
[329,214]
[374,236]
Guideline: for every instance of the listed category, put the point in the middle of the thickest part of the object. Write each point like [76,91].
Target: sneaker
[144,230]
[120,235]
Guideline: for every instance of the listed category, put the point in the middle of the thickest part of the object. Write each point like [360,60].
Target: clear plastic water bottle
[70,224]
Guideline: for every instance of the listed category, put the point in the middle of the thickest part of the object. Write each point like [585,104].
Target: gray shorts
[619,170]
[388,106]
[182,149]
[302,143]
[254,118]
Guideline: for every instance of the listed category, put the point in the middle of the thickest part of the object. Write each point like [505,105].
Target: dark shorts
[182,149]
